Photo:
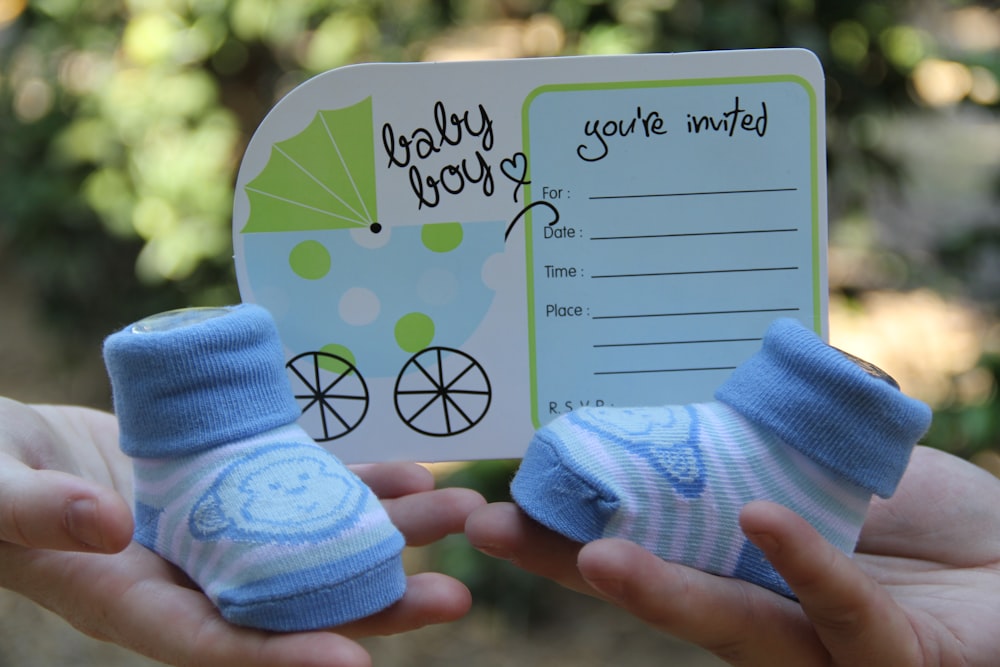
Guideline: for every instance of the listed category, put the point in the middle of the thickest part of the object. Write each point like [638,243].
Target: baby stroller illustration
[356,297]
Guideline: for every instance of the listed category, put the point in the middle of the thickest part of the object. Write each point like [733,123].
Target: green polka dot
[414,332]
[336,365]
[310,260]
[442,236]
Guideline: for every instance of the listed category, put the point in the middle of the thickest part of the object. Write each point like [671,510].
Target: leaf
[322,178]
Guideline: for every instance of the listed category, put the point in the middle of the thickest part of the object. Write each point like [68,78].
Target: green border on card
[670,83]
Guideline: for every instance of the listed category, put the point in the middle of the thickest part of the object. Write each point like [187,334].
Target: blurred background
[122,124]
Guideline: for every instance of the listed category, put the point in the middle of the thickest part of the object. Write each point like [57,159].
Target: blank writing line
[693,194]
[693,273]
[705,312]
[666,370]
[680,342]
[678,235]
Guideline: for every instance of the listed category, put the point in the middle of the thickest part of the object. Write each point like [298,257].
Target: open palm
[65,542]
[922,590]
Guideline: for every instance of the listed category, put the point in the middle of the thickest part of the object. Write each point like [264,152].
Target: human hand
[65,543]
[922,589]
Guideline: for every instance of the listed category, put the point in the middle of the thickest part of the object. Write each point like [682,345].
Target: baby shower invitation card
[457,253]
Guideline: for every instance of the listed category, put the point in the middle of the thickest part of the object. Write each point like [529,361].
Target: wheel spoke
[460,375]
[312,401]
[328,407]
[440,367]
[416,414]
[340,377]
[346,397]
[448,400]
[310,387]
[430,378]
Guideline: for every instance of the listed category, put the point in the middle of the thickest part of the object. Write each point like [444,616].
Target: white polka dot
[497,270]
[366,238]
[359,306]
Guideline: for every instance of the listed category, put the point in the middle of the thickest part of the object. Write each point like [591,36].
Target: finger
[429,516]
[943,511]
[147,607]
[313,649]
[744,624]
[503,531]
[394,480]
[430,598]
[221,644]
[48,509]
[856,619]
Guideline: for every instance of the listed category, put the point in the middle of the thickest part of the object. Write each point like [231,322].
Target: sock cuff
[181,390]
[827,407]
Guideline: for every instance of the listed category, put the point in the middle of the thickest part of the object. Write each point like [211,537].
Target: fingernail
[494,551]
[81,521]
[765,542]
[609,588]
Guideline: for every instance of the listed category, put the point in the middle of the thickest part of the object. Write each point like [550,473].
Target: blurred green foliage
[970,429]
[122,123]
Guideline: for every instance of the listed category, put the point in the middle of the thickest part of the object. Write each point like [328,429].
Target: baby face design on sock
[300,491]
[285,494]
[667,440]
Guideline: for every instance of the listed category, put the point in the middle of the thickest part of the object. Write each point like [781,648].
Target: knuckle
[11,526]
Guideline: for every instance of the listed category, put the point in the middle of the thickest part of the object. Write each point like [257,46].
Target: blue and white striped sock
[800,424]
[278,533]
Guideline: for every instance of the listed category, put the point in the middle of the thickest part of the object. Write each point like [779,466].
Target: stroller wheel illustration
[442,391]
[333,394]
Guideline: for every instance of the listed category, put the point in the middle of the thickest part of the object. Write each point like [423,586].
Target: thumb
[49,509]
[855,617]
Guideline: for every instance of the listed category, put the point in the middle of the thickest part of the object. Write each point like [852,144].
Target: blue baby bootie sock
[277,532]
[799,423]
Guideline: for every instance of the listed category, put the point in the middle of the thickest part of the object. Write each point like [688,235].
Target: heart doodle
[516,169]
